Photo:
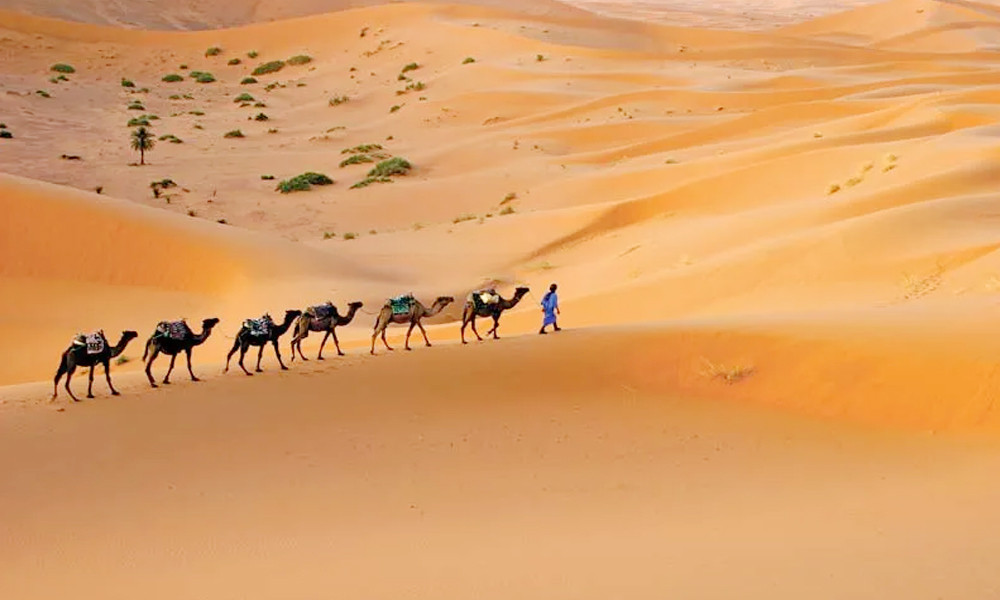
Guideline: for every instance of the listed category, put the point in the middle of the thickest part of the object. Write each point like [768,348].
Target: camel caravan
[172,338]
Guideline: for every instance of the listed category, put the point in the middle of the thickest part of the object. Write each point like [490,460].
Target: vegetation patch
[507,210]
[204,77]
[136,106]
[303,182]
[269,67]
[468,60]
[234,61]
[362,149]
[6,134]
[213,51]
[350,235]
[127,83]
[43,93]
[370,180]
[196,113]
[395,108]
[356,159]
[252,54]
[236,133]
[173,139]
[338,100]
[729,374]
[462,218]
[300,59]
[244,97]
[261,117]
[172,78]
[62,68]
[390,167]
[267,177]
[247,81]
[410,67]
[142,121]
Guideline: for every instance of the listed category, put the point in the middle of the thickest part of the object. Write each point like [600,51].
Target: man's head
[553,287]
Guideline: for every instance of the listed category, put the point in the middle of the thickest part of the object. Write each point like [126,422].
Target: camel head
[520,292]
[355,305]
[444,300]
[127,336]
[292,314]
[209,323]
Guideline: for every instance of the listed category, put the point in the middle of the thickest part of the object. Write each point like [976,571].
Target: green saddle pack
[401,304]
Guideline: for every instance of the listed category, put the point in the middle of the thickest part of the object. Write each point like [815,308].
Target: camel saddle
[175,330]
[485,298]
[401,305]
[321,311]
[259,327]
[94,342]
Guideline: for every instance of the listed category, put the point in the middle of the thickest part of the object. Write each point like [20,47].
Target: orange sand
[776,245]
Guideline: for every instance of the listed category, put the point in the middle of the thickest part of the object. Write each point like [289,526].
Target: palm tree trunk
[142,155]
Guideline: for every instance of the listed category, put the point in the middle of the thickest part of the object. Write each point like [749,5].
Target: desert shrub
[222,222]
[303,182]
[539,57]
[62,68]
[468,59]
[370,180]
[252,54]
[174,96]
[269,67]
[833,188]
[272,131]
[136,106]
[6,134]
[338,100]
[507,210]
[182,67]
[362,149]
[267,177]
[233,62]
[196,113]
[236,133]
[392,166]
[261,117]
[299,59]
[356,159]
[244,97]
[416,86]
[172,78]
[350,235]
[329,235]
[152,117]
[213,51]
[510,197]
[410,67]
[247,81]
[163,184]
[259,105]
[139,122]
[192,213]
[3,126]
[395,108]
[128,83]
[465,217]
[204,78]
[43,93]
[56,80]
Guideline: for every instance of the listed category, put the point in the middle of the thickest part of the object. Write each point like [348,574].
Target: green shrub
[248,81]
[395,108]
[329,235]
[138,122]
[507,210]
[362,149]
[136,106]
[410,67]
[462,218]
[350,235]
[269,67]
[539,57]
[299,59]
[233,62]
[173,139]
[261,117]
[128,83]
[144,90]
[468,60]
[303,182]
[196,113]
[182,67]
[244,97]
[62,68]
[392,166]
[204,78]
[56,80]
[356,159]
[213,51]
[43,93]
[174,96]
[252,54]
[6,134]
[172,78]
[236,133]
[338,100]
[259,105]
[267,177]
[370,180]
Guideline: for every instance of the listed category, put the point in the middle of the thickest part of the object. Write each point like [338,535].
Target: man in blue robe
[550,308]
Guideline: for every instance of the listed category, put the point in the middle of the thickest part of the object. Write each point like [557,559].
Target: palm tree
[142,140]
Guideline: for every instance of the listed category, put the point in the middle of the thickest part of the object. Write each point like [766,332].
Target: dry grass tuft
[729,374]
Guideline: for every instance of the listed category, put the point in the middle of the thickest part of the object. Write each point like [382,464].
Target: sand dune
[777,250]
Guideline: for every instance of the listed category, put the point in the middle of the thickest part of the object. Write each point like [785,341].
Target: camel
[77,355]
[328,324]
[413,316]
[248,337]
[475,309]
[161,341]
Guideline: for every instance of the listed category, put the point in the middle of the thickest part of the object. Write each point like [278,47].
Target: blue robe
[550,302]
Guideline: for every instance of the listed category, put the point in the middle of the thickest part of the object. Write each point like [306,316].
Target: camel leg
[70,369]
[90,383]
[496,325]
[387,346]
[170,369]
[426,341]
[336,342]
[326,334]
[297,344]
[374,335]
[408,332]
[190,372]
[59,374]
[107,376]
[474,330]
[243,352]
[232,351]
[260,354]
[149,363]
[278,354]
